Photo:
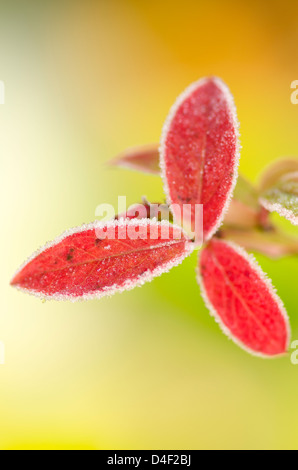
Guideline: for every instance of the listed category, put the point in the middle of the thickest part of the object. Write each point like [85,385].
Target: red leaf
[82,264]
[242,299]
[200,151]
[143,158]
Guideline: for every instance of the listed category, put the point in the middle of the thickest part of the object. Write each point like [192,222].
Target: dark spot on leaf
[69,256]
[185,200]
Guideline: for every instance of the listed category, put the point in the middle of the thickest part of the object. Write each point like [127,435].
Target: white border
[166,127]
[127,285]
[255,267]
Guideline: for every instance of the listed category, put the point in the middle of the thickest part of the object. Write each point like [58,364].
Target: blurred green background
[148,368]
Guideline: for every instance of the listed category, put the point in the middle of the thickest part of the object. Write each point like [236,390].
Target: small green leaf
[246,193]
[283,197]
[275,171]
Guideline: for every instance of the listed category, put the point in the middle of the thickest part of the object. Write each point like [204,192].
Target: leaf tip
[76,267]
[203,117]
[242,300]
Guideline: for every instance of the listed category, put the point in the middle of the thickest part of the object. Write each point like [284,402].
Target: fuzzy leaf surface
[200,152]
[283,197]
[82,264]
[242,299]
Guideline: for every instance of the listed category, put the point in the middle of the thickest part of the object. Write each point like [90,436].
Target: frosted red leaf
[200,151]
[242,299]
[79,265]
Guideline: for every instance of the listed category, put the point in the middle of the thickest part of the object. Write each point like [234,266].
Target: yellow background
[149,368]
